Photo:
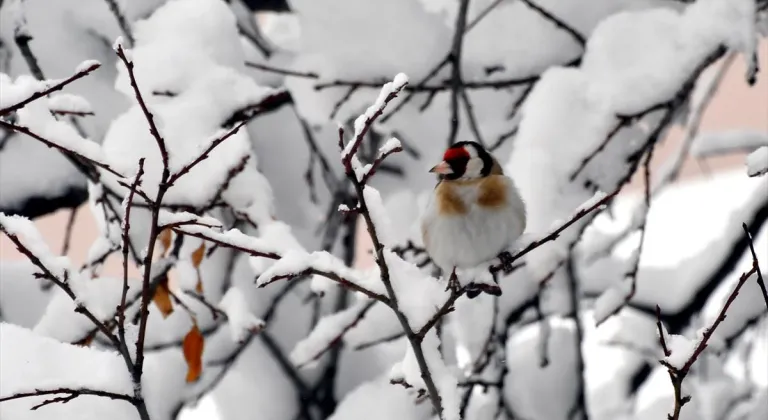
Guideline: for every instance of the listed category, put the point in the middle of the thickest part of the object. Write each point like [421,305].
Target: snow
[100,247]
[379,400]
[757,162]
[20,181]
[471,324]
[379,215]
[295,262]
[101,296]
[672,283]
[28,235]
[642,58]
[167,218]
[241,320]
[728,141]
[188,122]
[566,95]
[612,300]
[328,331]
[233,238]
[365,119]
[541,393]
[419,295]
[681,349]
[37,118]
[30,361]
[389,146]
[179,50]
[419,40]
[67,102]
[408,370]
[22,298]
[179,43]
[21,89]
[87,65]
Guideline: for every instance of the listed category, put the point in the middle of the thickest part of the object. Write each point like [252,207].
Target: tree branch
[53,88]
[69,394]
[579,38]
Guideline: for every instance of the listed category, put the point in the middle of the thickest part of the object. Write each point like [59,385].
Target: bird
[474,214]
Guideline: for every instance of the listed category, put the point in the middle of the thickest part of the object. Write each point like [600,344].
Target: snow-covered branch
[681,352]
[35,91]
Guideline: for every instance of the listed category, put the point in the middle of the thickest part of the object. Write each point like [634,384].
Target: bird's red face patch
[455,153]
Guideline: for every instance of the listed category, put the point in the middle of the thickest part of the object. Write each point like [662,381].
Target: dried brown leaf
[193,345]
[197,256]
[165,241]
[162,298]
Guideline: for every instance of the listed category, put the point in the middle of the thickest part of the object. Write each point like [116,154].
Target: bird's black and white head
[465,160]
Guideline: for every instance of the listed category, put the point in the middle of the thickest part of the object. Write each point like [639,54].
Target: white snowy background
[572,96]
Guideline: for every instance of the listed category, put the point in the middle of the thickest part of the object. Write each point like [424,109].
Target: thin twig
[204,155]
[125,247]
[760,281]
[138,366]
[456,80]
[64,150]
[282,71]
[578,37]
[555,233]
[68,230]
[677,375]
[66,395]
[147,114]
[121,21]
[472,118]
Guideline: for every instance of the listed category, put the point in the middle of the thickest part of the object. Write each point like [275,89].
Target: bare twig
[65,395]
[125,247]
[284,72]
[578,37]
[472,118]
[147,114]
[377,163]
[581,404]
[204,155]
[760,281]
[331,343]
[455,60]
[348,94]
[121,21]
[68,231]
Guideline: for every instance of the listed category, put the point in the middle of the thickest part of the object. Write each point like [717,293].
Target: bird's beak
[442,168]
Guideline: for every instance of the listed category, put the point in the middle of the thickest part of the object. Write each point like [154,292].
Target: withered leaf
[193,353]
[197,259]
[162,297]
[197,256]
[165,241]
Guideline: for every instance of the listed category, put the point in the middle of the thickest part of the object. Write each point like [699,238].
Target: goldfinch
[475,212]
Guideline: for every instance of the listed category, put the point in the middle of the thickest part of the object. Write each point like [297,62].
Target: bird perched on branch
[474,214]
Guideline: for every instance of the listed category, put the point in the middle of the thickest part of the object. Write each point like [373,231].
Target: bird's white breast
[479,235]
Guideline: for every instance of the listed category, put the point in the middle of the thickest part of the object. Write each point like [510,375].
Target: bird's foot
[453,282]
[507,262]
